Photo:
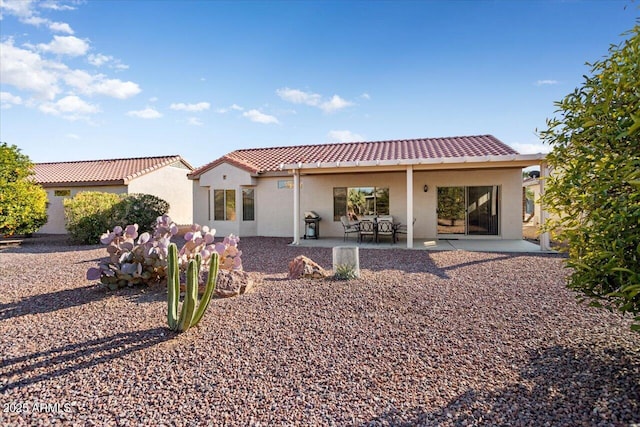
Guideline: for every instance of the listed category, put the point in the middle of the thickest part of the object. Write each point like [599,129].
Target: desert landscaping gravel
[422,338]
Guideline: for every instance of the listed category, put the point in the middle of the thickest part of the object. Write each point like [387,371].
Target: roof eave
[514,160]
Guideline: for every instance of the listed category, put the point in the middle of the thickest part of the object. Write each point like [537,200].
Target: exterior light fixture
[425,188]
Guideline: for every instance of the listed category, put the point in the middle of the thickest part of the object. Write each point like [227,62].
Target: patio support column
[545,244]
[296,206]
[410,207]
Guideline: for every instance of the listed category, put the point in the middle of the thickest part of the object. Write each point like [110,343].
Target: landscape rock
[233,283]
[302,267]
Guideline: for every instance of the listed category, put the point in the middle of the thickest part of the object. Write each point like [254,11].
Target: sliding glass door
[468,210]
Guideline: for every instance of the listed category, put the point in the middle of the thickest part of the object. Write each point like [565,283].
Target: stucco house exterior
[163,176]
[465,187]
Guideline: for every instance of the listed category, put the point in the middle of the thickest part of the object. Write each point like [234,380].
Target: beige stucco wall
[317,195]
[55,210]
[274,206]
[510,209]
[170,183]
[223,177]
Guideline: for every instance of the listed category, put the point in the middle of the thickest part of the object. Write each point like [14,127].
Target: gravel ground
[423,338]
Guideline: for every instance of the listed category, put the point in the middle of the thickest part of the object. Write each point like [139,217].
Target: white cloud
[54,5]
[200,106]
[530,148]
[60,27]
[336,103]
[70,107]
[546,82]
[344,136]
[258,117]
[99,59]
[297,96]
[235,107]
[28,71]
[7,100]
[194,121]
[147,113]
[19,8]
[65,45]
[36,21]
[365,96]
[72,136]
[153,99]
[91,84]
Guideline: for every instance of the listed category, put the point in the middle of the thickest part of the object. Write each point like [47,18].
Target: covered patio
[471,245]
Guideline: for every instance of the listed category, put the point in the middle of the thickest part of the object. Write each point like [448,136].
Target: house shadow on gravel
[64,360]
[560,386]
[52,301]
[67,298]
[271,255]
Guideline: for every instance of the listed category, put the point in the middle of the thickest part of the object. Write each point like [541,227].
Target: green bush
[89,214]
[594,189]
[23,203]
[141,209]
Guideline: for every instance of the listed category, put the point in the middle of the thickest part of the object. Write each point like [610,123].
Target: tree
[594,188]
[23,203]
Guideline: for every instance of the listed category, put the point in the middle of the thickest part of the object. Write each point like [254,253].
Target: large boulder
[302,267]
[232,283]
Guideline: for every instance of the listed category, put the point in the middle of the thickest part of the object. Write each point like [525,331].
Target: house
[164,177]
[458,187]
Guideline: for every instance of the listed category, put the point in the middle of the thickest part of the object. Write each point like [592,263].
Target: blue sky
[109,79]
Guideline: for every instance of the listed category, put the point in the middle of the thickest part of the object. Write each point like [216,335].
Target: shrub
[144,261]
[141,209]
[88,214]
[345,272]
[23,203]
[595,186]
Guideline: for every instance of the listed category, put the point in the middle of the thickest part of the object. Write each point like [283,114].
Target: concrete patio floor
[475,245]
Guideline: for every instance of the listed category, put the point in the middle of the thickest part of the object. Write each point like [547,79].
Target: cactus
[192,310]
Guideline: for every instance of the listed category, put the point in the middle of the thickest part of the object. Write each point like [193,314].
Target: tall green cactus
[192,309]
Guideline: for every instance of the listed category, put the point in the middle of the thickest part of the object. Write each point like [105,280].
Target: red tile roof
[259,160]
[101,172]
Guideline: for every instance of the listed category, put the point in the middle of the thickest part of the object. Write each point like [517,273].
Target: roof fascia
[512,160]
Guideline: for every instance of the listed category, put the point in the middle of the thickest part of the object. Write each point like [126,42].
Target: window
[285,183]
[224,208]
[339,203]
[62,193]
[248,204]
[359,201]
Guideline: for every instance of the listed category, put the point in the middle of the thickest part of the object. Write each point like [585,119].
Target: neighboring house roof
[259,160]
[101,172]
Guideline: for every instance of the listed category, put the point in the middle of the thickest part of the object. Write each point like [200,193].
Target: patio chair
[349,227]
[367,228]
[402,228]
[386,228]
